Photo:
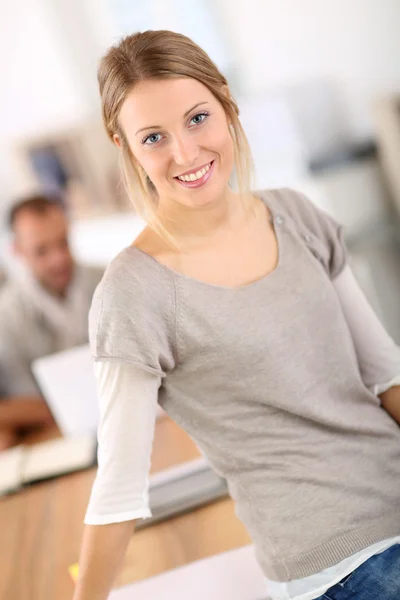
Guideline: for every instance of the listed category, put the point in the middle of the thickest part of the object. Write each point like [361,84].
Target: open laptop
[67,382]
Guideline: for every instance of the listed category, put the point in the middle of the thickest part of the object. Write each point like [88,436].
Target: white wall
[354,42]
[37,87]
[49,51]
[40,86]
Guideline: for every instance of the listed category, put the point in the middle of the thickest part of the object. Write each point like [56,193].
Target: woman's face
[178,132]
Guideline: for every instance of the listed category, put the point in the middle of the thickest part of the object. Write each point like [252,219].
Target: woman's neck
[195,225]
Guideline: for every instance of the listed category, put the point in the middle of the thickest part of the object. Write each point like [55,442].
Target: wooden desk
[41,529]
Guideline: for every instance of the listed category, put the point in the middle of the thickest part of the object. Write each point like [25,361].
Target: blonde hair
[157,55]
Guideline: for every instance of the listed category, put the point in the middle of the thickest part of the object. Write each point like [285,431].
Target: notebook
[26,464]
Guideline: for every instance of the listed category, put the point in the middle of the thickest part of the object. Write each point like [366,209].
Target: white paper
[233,575]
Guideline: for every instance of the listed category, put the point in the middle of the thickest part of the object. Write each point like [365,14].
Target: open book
[26,464]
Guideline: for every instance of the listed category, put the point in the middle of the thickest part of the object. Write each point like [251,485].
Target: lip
[199,182]
[194,170]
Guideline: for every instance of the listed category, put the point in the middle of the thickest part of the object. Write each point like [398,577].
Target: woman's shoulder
[319,229]
[133,313]
[287,201]
[134,283]
[303,214]
[135,269]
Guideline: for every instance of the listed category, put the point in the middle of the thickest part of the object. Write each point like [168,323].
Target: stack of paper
[182,488]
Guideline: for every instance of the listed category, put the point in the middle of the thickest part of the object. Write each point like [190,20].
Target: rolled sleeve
[128,409]
[378,355]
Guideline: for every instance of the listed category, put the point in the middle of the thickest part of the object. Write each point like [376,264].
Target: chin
[60,284]
[210,196]
[207,194]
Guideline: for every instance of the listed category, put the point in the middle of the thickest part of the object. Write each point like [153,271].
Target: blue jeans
[378,578]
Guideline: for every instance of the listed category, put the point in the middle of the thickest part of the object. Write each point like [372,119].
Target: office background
[318,85]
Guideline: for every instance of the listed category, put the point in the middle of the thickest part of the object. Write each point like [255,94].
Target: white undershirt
[128,409]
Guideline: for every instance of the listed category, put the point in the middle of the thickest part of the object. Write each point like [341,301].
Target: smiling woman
[236,311]
[198,143]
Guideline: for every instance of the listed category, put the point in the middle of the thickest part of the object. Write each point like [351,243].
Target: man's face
[41,241]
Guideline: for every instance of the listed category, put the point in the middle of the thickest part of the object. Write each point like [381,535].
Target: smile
[196,178]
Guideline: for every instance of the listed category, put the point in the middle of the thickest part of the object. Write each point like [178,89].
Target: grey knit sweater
[266,380]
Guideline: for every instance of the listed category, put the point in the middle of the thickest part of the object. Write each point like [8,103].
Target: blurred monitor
[67,382]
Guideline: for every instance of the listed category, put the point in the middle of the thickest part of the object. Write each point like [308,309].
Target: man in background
[44,306]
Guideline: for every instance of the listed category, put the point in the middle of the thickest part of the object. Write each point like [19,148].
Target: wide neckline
[241,288]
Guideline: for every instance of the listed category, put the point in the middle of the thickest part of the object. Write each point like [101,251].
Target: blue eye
[154,138]
[199,118]
[149,140]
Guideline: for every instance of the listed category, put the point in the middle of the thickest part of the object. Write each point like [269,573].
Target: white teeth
[194,176]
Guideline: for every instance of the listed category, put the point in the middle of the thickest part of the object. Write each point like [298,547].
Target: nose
[185,151]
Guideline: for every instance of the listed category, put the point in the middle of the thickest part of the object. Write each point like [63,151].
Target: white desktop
[233,575]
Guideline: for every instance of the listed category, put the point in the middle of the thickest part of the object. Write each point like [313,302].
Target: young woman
[237,312]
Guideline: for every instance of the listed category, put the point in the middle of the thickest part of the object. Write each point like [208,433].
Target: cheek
[39,264]
[154,162]
[219,139]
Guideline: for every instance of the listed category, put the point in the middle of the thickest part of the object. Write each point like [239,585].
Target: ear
[116,140]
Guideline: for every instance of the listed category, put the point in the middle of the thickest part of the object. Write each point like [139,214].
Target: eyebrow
[184,116]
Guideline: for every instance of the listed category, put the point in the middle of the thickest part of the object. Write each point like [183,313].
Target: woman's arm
[128,406]
[378,355]
[391,402]
[102,552]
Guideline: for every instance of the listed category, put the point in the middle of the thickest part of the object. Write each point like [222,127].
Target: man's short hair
[38,204]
